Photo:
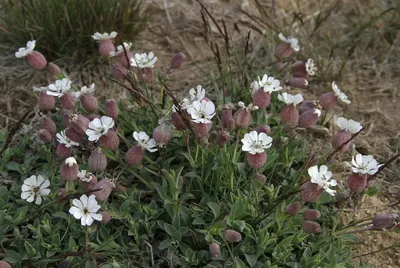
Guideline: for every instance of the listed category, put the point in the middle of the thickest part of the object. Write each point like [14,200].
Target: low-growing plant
[220,178]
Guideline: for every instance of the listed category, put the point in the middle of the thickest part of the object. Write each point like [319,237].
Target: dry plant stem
[212,18]
[380,250]
[384,166]
[325,18]
[340,212]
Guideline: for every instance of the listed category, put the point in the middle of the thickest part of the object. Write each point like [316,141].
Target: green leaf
[60,214]
[11,256]
[29,249]
[176,221]
[165,244]
[14,166]
[239,224]
[251,259]
[169,229]
[69,186]
[198,221]
[215,209]
[238,210]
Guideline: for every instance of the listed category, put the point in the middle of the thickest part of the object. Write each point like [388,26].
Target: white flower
[39,89]
[85,176]
[87,90]
[99,127]
[120,49]
[35,187]
[256,143]
[145,142]
[269,84]
[343,97]
[85,209]
[249,107]
[317,112]
[143,60]
[290,99]
[202,112]
[98,36]
[70,161]
[59,87]
[322,177]
[197,94]
[24,51]
[348,125]
[310,67]
[254,87]
[365,164]
[63,139]
[294,43]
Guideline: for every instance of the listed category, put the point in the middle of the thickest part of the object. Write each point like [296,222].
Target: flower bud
[232,236]
[177,60]
[309,118]
[106,46]
[79,123]
[63,151]
[222,138]
[242,118]
[45,136]
[64,264]
[103,189]
[4,264]
[49,125]
[261,99]
[177,121]
[87,180]
[53,68]
[89,102]
[124,60]
[106,217]
[46,102]
[119,71]
[298,82]
[311,214]
[340,138]
[109,141]
[279,66]
[311,192]
[67,101]
[257,160]
[283,51]
[62,193]
[36,60]
[134,155]
[299,69]
[311,227]
[306,105]
[263,129]
[65,119]
[73,135]
[290,115]
[357,182]
[214,249]
[328,101]
[385,221]
[201,129]
[111,108]
[261,178]
[97,161]
[147,74]
[227,120]
[69,169]
[162,134]
[292,209]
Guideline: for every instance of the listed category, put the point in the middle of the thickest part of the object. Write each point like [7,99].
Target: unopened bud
[232,236]
[177,60]
[63,151]
[357,182]
[222,138]
[103,189]
[79,123]
[67,101]
[45,136]
[227,120]
[261,99]
[4,264]
[49,125]
[311,227]
[162,134]
[340,138]
[134,155]
[106,46]
[306,105]
[87,180]
[109,141]
[214,249]
[311,214]
[242,118]
[279,66]
[309,118]
[119,71]
[89,102]
[328,101]
[385,221]
[263,129]
[201,129]
[261,178]
[311,192]
[290,115]
[283,51]
[293,209]
[106,217]
[97,161]
[111,108]
[299,69]
[69,169]
[257,160]
[73,135]
[177,121]
[62,193]
[36,60]
[46,102]
[53,68]
[298,82]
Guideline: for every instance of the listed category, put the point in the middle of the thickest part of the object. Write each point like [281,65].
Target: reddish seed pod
[124,60]
[36,60]
[46,102]
[53,68]
[4,264]
[290,115]
[309,118]
[49,125]
[306,105]
[106,217]
[232,236]
[63,151]
[147,74]
[293,209]
[73,135]
[177,121]
[69,169]
[311,227]
[261,99]
[106,46]
[67,101]
[112,108]
[257,160]
[357,182]
[45,136]
[201,130]
[103,189]
[222,138]
[283,51]
[89,186]
[311,214]
[328,101]
[261,178]
[242,118]
[119,71]
[214,249]
[385,221]
[134,155]
[263,129]
[109,141]
[162,134]
[227,120]
[340,138]
[299,69]
[97,161]
[298,82]
[79,123]
[89,103]
[279,66]
[177,60]
[310,192]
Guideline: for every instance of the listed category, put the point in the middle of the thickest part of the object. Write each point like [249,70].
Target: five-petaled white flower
[197,94]
[35,187]
[99,127]
[120,49]
[63,139]
[59,88]
[87,90]
[343,97]
[365,164]
[85,176]
[290,99]
[143,60]
[249,107]
[323,178]
[311,68]
[202,112]
[70,161]
[85,208]
[24,51]
[268,83]
[348,125]
[294,43]
[104,36]
[256,143]
[144,141]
